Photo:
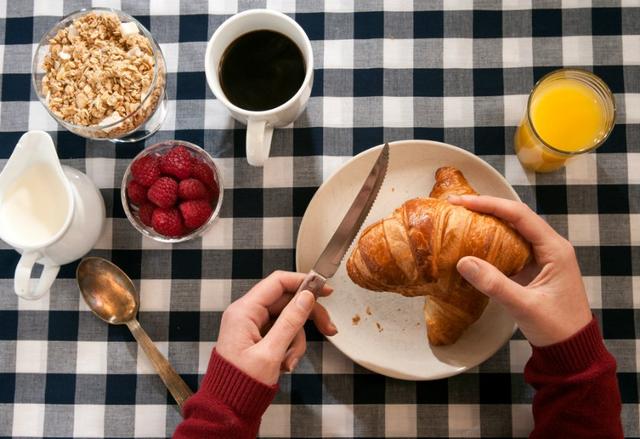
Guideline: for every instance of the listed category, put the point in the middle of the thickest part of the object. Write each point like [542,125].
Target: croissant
[414,252]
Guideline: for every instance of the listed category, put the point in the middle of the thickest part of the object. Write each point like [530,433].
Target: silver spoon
[112,296]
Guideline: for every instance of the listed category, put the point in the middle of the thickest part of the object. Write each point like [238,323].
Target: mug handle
[22,279]
[259,135]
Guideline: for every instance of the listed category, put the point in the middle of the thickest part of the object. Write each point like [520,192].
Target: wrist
[574,354]
[260,370]
[225,382]
[542,333]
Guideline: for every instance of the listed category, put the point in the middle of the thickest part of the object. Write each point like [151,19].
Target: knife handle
[313,282]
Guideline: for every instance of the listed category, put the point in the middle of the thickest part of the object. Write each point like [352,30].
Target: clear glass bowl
[157,150]
[141,123]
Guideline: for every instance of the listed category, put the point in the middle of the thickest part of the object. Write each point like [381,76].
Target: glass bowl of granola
[101,75]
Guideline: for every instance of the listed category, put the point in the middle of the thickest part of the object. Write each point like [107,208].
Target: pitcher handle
[22,279]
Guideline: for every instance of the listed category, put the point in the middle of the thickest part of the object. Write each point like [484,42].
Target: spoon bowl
[107,290]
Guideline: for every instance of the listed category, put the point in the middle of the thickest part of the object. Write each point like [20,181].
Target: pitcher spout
[33,147]
[36,197]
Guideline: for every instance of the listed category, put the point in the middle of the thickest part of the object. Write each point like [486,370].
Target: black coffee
[261,70]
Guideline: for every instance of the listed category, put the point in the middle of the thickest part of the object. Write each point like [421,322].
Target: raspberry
[192,189]
[167,222]
[145,212]
[204,173]
[164,192]
[146,170]
[136,192]
[177,163]
[195,212]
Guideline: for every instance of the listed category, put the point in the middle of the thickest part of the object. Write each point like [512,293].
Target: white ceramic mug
[260,124]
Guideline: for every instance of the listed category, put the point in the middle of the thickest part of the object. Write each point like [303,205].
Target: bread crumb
[393,189]
[368,310]
[355,320]
[380,328]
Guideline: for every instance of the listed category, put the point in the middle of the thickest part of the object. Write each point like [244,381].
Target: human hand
[262,332]
[547,298]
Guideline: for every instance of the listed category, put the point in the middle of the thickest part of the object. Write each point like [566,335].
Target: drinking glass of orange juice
[569,112]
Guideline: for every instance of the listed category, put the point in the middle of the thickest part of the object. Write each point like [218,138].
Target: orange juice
[569,112]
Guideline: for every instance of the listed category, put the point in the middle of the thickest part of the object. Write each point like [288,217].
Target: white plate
[399,347]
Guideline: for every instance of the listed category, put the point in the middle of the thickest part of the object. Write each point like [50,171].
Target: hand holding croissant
[547,298]
[414,252]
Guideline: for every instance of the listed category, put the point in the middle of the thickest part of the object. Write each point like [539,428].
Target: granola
[99,72]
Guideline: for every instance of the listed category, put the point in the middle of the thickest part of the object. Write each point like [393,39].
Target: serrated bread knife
[329,261]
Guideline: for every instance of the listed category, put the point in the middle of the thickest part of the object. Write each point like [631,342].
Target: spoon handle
[176,385]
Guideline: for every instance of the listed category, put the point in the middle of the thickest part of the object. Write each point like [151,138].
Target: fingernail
[332,328]
[329,288]
[305,300]
[468,268]
[293,364]
[453,198]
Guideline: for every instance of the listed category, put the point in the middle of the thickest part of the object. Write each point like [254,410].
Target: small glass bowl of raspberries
[172,191]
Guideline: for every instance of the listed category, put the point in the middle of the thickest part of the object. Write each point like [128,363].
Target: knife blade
[329,261]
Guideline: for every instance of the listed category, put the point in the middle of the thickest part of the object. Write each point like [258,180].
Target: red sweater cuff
[575,354]
[226,383]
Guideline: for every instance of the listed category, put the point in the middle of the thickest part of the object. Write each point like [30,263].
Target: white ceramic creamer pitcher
[51,214]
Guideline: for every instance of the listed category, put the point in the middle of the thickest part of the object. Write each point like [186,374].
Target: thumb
[489,280]
[289,322]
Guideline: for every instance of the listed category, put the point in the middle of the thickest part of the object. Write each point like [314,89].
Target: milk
[34,206]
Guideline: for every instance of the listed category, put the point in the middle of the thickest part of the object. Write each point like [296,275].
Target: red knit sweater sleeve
[229,404]
[577,390]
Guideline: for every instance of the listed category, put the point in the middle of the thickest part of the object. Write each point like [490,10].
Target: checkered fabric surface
[452,71]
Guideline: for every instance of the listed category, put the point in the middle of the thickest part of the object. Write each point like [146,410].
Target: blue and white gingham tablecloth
[454,71]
